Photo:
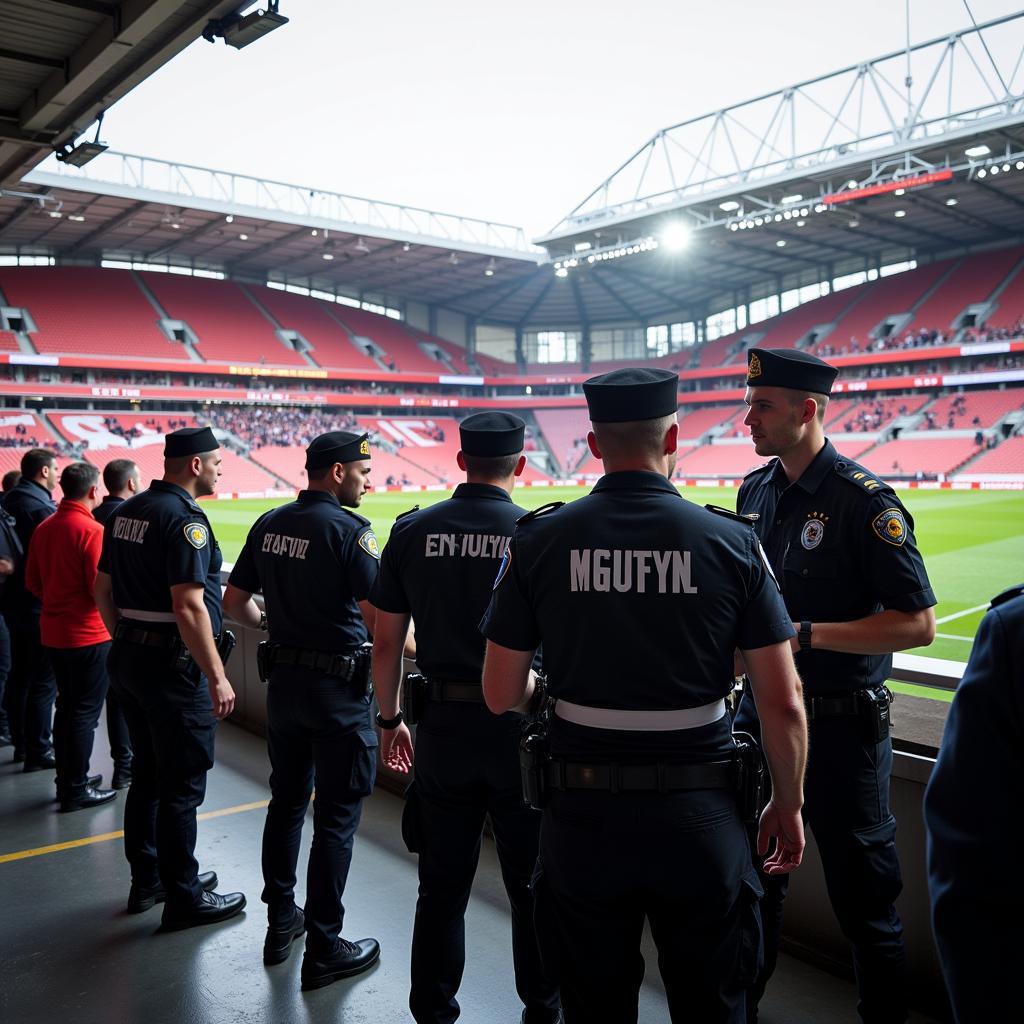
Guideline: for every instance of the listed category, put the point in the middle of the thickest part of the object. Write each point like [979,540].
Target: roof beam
[674,301]
[108,226]
[597,278]
[535,305]
[29,206]
[189,236]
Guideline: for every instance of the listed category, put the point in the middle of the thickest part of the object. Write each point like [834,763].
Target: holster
[415,688]
[186,664]
[263,660]
[533,761]
[873,707]
[752,783]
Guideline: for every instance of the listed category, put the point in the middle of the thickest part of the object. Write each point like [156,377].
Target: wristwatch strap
[804,636]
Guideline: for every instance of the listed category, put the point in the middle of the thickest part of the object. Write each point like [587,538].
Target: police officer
[31,686]
[122,480]
[639,598]
[842,547]
[315,561]
[158,590]
[972,808]
[437,569]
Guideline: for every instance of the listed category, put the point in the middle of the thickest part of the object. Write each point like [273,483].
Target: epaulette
[861,478]
[407,512]
[362,520]
[738,516]
[760,469]
[536,513]
[1007,595]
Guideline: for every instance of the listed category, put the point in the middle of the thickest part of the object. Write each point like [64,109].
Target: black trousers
[5,671]
[467,767]
[117,733]
[31,691]
[318,734]
[172,728]
[81,674]
[682,861]
[846,805]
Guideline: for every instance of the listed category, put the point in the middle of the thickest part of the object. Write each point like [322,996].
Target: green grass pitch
[972,541]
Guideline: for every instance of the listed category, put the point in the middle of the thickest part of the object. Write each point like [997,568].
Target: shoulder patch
[728,513]
[407,512]
[891,527]
[1007,595]
[368,542]
[506,561]
[544,510]
[197,535]
[861,478]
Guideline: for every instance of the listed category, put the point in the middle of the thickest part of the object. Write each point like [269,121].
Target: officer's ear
[592,445]
[672,438]
[460,459]
[520,465]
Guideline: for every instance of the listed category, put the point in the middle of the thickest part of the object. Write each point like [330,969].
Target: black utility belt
[419,689]
[870,706]
[660,777]
[170,642]
[349,668]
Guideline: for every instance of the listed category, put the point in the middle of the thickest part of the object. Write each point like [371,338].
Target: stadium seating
[785,330]
[230,328]
[847,415]
[931,456]
[1005,460]
[418,447]
[988,406]
[720,460]
[312,319]
[88,310]
[8,343]
[397,341]
[697,422]
[561,429]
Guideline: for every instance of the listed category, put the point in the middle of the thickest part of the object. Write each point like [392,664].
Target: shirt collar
[635,480]
[164,485]
[311,497]
[813,476]
[33,483]
[68,506]
[110,499]
[468,490]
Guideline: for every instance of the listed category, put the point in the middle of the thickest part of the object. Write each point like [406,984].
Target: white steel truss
[915,99]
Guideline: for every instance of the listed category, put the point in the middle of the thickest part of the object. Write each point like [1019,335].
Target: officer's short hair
[634,437]
[178,463]
[799,397]
[33,461]
[77,478]
[117,473]
[316,475]
[10,480]
[491,467]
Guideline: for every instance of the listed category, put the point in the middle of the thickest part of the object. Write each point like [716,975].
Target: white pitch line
[960,615]
[953,636]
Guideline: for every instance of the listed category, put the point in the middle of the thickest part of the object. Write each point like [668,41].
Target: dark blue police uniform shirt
[105,509]
[842,547]
[30,503]
[314,561]
[640,599]
[439,565]
[156,540]
[972,807]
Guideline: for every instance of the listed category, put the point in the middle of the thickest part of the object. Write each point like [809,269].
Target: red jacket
[61,572]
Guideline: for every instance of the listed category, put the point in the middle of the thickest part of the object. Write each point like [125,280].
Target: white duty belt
[640,721]
[141,616]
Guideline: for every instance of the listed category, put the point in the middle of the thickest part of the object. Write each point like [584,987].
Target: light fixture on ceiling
[952,201]
[781,243]
[453,259]
[490,268]
[729,206]
[406,247]
[83,152]
[240,30]
[899,213]
[76,217]
[361,245]
[243,238]
[675,236]
[976,152]
[789,200]
[230,218]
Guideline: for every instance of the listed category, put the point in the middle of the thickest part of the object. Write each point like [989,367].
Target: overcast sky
[509,112]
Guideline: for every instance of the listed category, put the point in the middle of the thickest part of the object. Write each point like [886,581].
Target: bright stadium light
[675,236]
[781,243]
[981,173]
[951,201]
[728,206]
[975,152]
[240,30]
[789,200]
[581,247]
[561,272]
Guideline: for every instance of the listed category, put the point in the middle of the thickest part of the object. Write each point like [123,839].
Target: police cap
[491,434]
[637,393]
[336,446]
[788,368]
[189,441]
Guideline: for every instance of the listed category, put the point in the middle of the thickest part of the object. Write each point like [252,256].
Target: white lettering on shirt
[289,547]
[627,571]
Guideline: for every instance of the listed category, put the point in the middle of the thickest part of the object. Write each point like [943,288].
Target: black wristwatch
[390,723]
[804,636]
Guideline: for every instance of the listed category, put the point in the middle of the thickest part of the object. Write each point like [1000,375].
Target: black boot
[278,943]
[211,908]
[347,960]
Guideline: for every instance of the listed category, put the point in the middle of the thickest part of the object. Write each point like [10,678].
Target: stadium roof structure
[63,62]
[917,154]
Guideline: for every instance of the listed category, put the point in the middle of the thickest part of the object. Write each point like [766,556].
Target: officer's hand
[222,696]
[396,748]
[787,829]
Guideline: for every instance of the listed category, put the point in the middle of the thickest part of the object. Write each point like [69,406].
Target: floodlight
[239,30]
[781,243]
[800,223]
[243,238]
[952,202]
[80,155]
[490,268]
[561,272]
[581,247]
[675,236]
[974,152]
[852,183]
[994,169]
[787,200]
[728,206]
[230,219]
[327,256]
[900,213]
[1006,168]
[778,218]
[1019,165]
[900,192]
[981,173]
[406,247]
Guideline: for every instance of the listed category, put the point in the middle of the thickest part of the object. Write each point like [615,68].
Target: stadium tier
[697,422]
[229,326]
[869,415]
[974,408]
[931,456]
[785,330]
[400,346]
[332,344]
[1006,461]
[719,460]
[429,443]
[85,310]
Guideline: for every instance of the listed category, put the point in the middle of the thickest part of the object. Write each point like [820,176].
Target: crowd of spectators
[261,427]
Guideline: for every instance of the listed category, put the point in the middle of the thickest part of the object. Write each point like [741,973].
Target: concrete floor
[69,953]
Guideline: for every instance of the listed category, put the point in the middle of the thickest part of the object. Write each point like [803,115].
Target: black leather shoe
[122,778]
[90,797]
[141,898]
[557,1018]
[349,959]
[40,764]
[92,780]
[211,908]
[278,943]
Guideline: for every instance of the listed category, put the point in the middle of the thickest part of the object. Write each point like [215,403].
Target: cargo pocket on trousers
[878,864]
[364,762]
[198,729]
[751,946]
[411,833]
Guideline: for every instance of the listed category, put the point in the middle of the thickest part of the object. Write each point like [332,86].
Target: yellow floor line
[107,836]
